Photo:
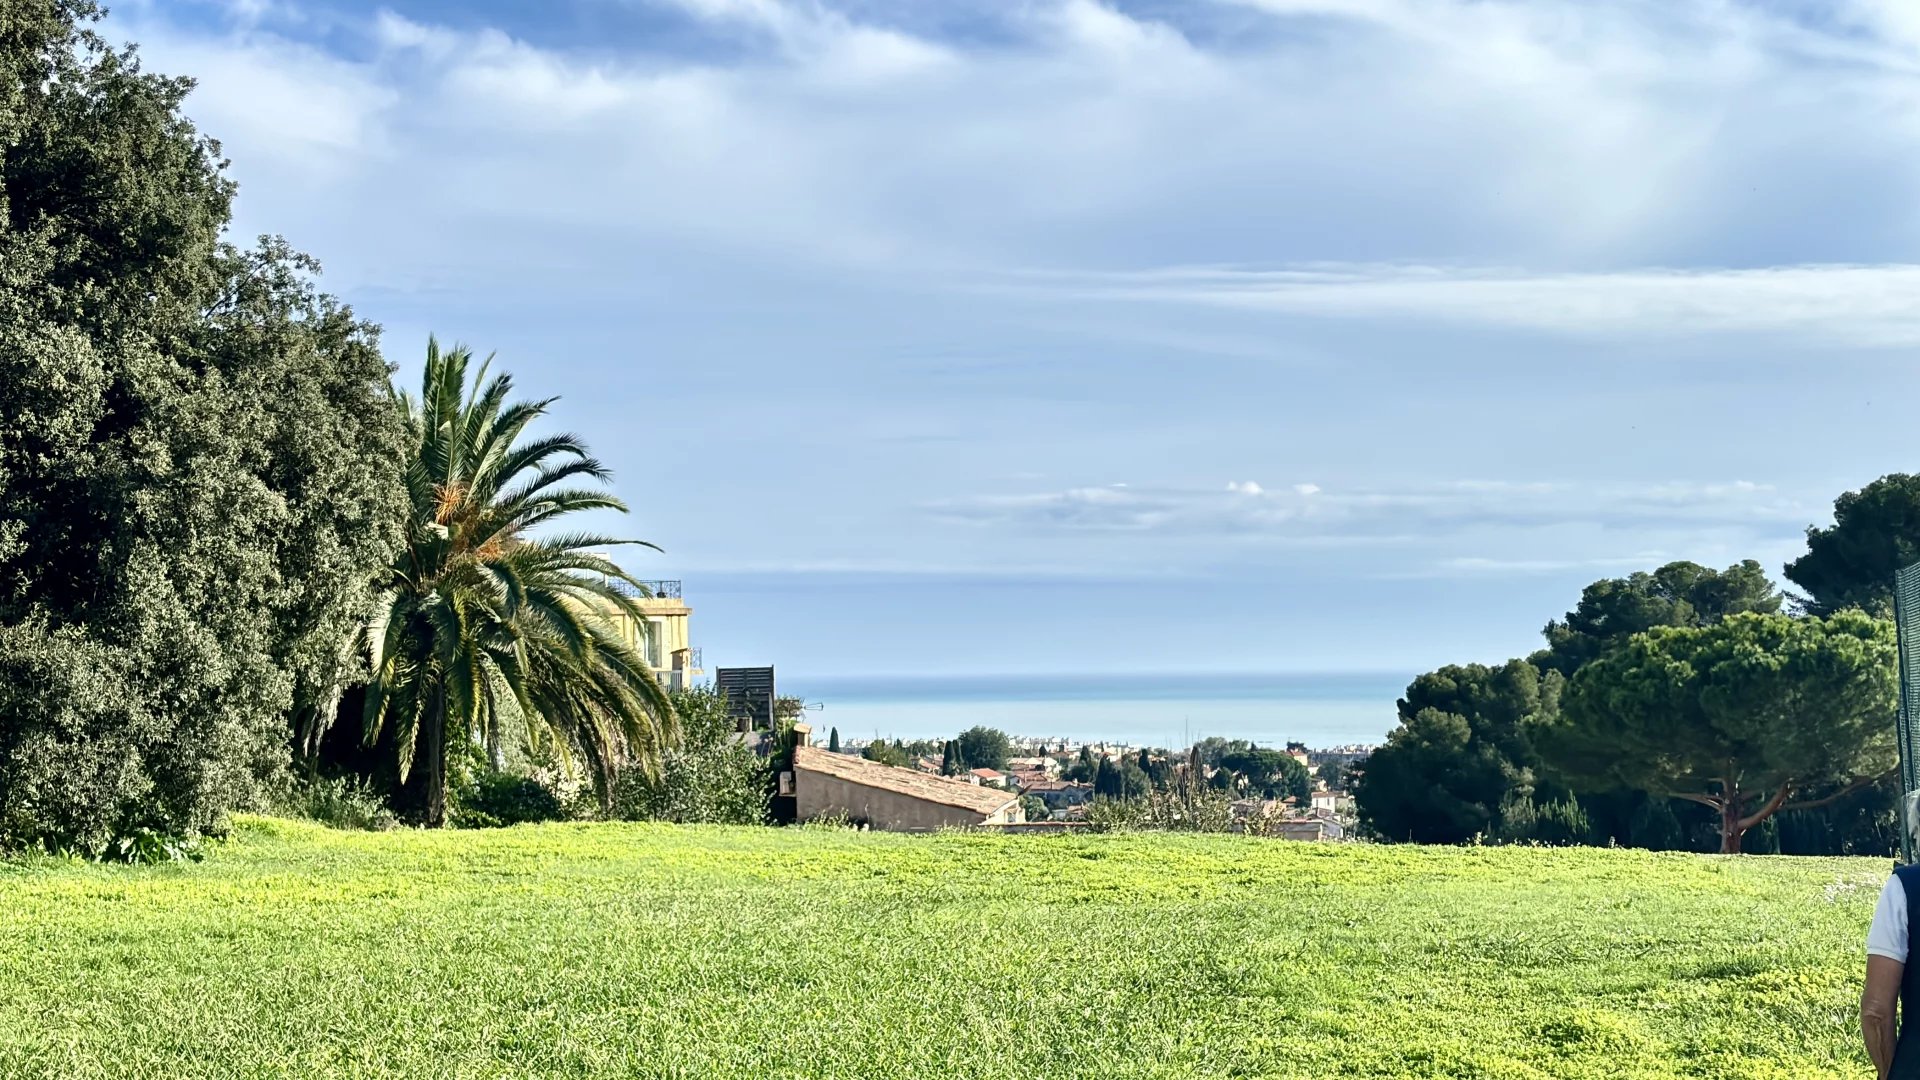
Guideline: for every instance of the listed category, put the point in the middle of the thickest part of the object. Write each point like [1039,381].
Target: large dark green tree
[1436,782]
[1461,752]
[198,465]
[1750,716]
[1268,773]
[490,619]
[984,748]
[1851,563]
[1677,594]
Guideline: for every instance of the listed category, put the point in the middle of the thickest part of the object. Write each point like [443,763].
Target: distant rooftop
[918,785]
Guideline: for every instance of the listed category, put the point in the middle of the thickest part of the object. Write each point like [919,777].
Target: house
[1330,802]
[1046,765]
[989,777]
[1025,779]
[1061,794]
[1309,829]
[660,634]
[1243,809]
[893,799]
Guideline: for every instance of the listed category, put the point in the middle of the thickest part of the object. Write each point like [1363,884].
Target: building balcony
[661,589]
[674,677]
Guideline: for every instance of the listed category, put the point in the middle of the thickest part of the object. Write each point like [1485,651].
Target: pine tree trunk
[1730,830]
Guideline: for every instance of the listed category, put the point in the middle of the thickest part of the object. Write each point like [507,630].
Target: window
[653,643]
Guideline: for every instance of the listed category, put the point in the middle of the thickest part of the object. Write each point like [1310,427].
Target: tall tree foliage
[1677,594]
[984,748]
[1749,717]
[1462,751]
[886,753]
[485,621]
[1268,773]
[1851,563]
[198,468]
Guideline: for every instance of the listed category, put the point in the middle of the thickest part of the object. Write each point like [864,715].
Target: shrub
[346,802]
[711,778]
[146,847]
[491,800]
[1201,810]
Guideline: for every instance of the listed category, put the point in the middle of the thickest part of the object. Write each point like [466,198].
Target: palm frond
[483,618]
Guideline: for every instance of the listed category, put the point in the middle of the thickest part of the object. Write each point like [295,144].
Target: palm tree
[483,624]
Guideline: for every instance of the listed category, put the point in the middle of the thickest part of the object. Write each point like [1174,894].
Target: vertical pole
[1906,591]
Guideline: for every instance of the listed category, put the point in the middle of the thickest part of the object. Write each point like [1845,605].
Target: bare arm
[1876,1010]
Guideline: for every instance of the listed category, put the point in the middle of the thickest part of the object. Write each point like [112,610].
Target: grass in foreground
[626,950]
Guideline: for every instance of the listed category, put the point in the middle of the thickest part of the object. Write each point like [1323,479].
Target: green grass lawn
[630,950]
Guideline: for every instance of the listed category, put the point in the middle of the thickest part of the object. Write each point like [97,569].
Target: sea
[1321,710]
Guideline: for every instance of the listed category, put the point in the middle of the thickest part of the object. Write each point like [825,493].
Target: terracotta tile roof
[936,789]
[1058,785]
[988,774]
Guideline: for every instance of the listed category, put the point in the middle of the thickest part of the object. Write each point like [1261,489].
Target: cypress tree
[833,741]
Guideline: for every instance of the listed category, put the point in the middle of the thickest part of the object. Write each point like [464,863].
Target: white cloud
[1502,567]
[1553,131]
[1861,304]
[1308,511]
[288,105]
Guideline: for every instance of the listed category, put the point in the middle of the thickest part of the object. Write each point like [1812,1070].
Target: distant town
[1294,791]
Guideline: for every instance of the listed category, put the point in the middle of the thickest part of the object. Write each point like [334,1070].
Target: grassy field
[613,950]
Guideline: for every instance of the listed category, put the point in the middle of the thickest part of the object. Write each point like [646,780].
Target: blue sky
[1235,335]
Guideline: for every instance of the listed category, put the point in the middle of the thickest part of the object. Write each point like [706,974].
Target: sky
[1061,336]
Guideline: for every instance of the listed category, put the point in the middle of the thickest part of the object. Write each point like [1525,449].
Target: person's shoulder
[1905,883]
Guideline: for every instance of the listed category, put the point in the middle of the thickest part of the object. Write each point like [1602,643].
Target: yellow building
[661,637]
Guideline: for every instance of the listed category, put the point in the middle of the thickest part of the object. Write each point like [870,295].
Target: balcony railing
[693,661]
[663,589]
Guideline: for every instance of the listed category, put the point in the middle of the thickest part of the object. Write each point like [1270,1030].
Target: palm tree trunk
[436,748]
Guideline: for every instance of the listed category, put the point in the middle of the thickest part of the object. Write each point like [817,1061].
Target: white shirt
[1888,935]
